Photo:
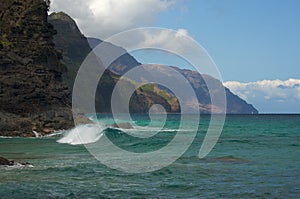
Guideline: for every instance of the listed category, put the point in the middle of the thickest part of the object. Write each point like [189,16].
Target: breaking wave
[83,134]
[91,133]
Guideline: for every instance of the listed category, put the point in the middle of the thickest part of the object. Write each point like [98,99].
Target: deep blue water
[257,156]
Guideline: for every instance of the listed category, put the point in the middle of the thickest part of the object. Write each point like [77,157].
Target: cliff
[71,43]
[33,96]
[235,105]
[121,65]
[75,47]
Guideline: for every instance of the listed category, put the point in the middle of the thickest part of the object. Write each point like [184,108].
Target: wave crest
[83,134]
[91,133]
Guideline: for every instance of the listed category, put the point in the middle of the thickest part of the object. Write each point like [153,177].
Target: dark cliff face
[121,65]
[32,93]
[71,43]
[75,47]
[236,105]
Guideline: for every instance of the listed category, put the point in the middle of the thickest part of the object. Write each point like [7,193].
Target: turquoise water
[257,156]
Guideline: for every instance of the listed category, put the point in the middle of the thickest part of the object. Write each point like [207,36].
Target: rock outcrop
[6,162]
[32,93]
[125,125]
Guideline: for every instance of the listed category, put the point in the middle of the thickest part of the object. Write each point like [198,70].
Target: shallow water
[257,156]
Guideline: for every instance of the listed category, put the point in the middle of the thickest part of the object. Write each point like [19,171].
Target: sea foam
[83,134]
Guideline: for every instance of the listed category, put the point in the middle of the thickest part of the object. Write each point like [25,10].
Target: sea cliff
[33,96]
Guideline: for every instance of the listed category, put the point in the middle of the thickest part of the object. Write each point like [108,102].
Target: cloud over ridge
[103,18]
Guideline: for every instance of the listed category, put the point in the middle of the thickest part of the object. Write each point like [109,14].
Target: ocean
[256,156]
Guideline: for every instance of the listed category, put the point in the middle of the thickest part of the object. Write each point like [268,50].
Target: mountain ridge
[126,62]
[69,38]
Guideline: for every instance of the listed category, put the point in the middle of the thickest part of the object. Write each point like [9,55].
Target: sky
[255,44]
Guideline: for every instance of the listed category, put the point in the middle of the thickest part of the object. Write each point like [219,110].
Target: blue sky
[248,40]
[255,43]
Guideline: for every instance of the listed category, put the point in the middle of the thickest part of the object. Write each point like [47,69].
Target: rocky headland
[33,96]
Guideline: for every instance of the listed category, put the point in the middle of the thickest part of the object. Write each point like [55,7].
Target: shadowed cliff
[32,93]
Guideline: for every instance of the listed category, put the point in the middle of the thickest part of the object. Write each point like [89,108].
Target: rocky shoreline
[43,123]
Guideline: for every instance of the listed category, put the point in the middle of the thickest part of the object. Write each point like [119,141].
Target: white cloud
[167,39]
[267,94]
[103,18]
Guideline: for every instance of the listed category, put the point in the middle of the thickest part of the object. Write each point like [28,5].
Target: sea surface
[256,156]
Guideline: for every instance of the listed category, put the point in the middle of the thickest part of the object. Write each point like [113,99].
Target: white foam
[6,137]
[55,134]
[83,134]
[16,166]
[36,134]
[153,129]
